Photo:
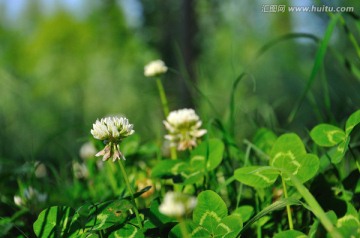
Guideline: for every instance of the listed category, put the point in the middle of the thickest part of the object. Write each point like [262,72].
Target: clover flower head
[87,151]
[111,130]
[155,68]
[80,170]
[40,169]
[177,204]
[184,128]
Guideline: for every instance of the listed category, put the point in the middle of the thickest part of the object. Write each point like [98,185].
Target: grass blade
[319,58]
[315,207]
[273,207]
[285,37]
[232,103]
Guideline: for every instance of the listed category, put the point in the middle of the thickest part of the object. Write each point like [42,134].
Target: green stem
[183,229]
[258,225]
[256,149]
[173,152]
[226,184]
[130,190]
[165,107]
[315,207]
[247,155]
[163,99]
[291,226]
[111,177]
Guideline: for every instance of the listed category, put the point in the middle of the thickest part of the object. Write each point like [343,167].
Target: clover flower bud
[155,68]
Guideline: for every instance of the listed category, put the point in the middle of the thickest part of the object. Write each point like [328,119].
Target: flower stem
[291,226]
[183,229]
[165,107]
[258,225]
[130,190]
[162,97]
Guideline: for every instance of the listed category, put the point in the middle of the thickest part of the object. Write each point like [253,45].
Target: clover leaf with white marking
[327,135]
[287,155]
[210,219]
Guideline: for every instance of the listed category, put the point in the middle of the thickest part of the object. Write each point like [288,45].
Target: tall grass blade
[285,37]
[327,101]
[350,35]
[232,103]
[319,58]
[315,207]
[273,207]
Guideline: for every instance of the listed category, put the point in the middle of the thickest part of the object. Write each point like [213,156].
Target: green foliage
[327,135]
[212,150]
[210,218]
[319,58]
[348,225]
[257,176]
[60,71]
[106,214]
[269,209]
[290,234]
[57,222]
[288,154]
[245,212]
[264,139]
[87,220]
[127,231]
[192,170]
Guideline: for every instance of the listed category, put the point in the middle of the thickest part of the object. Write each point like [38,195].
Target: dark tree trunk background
[174,29]
[189,48]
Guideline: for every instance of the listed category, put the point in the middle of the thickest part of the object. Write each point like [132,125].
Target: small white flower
[87,150]
[40,170]
[18,201]
[80,170]
[30,196]
[155,68]
[184,128]
[177,204]
[111,130]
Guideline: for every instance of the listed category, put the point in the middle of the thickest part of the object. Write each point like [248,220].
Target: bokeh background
[63,64]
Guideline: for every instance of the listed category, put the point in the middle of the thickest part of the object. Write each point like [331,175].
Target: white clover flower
[184,128]
[18,201]
[111,130]
[177,204]
[40,170]
[155,68]
[80,170]
[87,150]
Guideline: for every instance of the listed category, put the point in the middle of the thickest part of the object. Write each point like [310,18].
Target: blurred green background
[63,64]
